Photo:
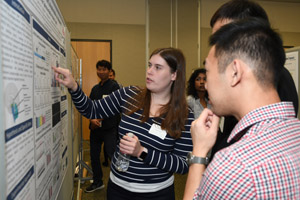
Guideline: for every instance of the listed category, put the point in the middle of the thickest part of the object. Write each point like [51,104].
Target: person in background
[105,162]
[242,9]
[160,120]
[197,96]
[102,130]
[243,66]
[112,76]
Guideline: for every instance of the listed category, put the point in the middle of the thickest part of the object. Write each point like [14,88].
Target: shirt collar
[108,80]
[277,110]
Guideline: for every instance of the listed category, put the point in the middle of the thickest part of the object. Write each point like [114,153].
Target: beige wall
[128,47]
[188,33]
[290,39]
[129,41]
[284,17]
[162,34]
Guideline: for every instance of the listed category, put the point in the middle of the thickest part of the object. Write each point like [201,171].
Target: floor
[101,194]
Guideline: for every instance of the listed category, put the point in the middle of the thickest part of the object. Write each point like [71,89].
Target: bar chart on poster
[35,106]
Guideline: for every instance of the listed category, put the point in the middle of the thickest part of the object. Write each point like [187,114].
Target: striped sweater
[165,156]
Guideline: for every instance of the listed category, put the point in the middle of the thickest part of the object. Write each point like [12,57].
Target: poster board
[292,64]
[36,140]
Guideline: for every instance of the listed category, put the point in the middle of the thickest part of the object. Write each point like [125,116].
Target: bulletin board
[292,64]
[36,142]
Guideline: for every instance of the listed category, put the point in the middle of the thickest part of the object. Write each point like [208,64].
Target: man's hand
[204,132]
[95,123]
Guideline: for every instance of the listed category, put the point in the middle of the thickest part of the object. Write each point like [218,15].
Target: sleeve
[174,161]
[190,101]
[98,109]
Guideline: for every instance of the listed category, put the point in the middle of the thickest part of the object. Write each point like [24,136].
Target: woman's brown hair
[175,112]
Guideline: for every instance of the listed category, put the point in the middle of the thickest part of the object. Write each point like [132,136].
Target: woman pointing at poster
[160,120]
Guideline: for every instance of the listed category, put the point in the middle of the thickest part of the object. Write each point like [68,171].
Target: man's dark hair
[237,10]
[253,41]
[113,71]
[104,63]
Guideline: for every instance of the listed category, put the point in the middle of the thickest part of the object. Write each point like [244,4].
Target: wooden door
[90,52]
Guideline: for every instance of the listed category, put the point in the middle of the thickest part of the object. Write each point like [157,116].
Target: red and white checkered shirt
[263,164]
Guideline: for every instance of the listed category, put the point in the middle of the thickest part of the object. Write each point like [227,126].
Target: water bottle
[122,162]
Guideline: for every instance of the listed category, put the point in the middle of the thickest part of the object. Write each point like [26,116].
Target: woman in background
[197,96]
[160,120]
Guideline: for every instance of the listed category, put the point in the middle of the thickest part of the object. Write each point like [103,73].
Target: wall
[128,47]
[129,39]
[282,15]
[163,33]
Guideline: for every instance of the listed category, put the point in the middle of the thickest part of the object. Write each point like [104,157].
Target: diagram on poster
[17,102]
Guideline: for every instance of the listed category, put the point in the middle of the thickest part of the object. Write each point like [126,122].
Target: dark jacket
[100,91]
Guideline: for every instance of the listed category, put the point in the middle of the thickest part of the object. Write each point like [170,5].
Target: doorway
[90,52]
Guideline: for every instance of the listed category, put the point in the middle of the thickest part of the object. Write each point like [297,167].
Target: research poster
[35,105]
[291,63]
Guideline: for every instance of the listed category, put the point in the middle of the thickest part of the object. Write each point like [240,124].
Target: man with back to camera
[243,68]
[242,9]
[102,131]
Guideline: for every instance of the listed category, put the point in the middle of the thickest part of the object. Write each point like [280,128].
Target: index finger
[205,115]
[60,70]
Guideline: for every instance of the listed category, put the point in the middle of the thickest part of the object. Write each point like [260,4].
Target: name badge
[103,96]
[157,131]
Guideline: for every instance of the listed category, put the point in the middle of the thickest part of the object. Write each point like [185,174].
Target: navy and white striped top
[165,156]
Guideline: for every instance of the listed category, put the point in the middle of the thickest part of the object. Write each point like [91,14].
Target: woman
[160,120]
[197,95]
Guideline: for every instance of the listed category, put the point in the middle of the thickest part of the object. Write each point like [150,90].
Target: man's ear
[236,72]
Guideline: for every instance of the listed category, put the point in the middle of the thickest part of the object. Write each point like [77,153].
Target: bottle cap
[130,135]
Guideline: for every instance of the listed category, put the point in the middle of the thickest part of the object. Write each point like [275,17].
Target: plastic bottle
[122,162]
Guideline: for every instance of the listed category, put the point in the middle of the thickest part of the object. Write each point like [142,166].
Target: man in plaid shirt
[243,66]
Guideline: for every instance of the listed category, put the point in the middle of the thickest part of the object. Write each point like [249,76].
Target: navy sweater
[165,156]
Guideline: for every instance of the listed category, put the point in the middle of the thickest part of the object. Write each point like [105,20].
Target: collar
[277,110]
[104,82]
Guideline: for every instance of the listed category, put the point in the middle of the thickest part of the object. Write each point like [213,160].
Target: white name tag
[157,131]
[103,96]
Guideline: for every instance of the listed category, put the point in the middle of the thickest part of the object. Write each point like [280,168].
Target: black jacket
[100,91]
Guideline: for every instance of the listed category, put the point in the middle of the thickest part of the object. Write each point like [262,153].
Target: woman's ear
[173,76]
